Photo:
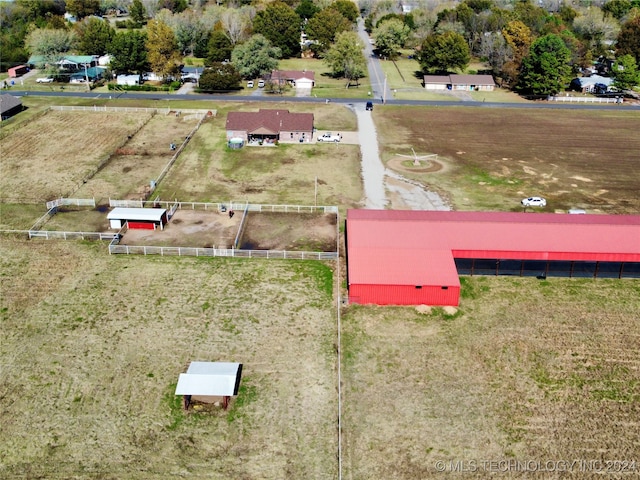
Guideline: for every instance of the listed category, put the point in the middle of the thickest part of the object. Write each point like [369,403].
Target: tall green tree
[255,57]
[324,27]
[442,53]
[307,9]
[546,70]
[83,8]
[129,52]
[390,36]
[629,39]
[347,9]
[625,73]
[220,76]
[345,57]
[162,46]
[94,36]
[137,13]
[219,47]
[279,24]
[191,32]
[50,44]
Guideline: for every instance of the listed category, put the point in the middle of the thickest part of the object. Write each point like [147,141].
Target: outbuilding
[208,381]
[138,218]
[397,257]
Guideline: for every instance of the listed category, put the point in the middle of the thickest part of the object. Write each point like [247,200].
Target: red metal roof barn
[401,257]
[138,218]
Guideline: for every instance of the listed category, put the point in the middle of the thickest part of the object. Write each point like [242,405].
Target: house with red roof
[269,126]
[397,257]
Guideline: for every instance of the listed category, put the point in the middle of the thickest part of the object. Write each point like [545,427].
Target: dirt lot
[583,158]
[263,231]
[50,156]
[93,345]
[525,370]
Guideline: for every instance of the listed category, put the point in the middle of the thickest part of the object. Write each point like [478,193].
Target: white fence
[166,111]
[219,252]
[79,202]
[217,206]
[587,99]
[56,235]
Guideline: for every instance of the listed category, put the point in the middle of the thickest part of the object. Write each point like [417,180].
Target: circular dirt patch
[404,165]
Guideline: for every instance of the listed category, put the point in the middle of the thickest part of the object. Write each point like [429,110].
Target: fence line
[44,219]
[219,252]
[587,99]
[178,151]
[79,202]
[57,235]
[163,110]
[243,224]
[218,206]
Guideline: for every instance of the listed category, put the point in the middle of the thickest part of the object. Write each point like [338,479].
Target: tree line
[526,47]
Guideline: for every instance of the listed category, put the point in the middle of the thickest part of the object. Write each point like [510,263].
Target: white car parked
[44,80]
[330,137]
[534,202]
[250,84]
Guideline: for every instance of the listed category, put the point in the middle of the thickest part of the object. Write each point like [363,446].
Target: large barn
[398,257]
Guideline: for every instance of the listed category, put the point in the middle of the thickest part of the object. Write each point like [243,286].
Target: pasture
[93,345]
[493,157]
[525,370]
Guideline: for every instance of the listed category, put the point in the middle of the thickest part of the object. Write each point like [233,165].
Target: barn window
[444,287]
[418,287]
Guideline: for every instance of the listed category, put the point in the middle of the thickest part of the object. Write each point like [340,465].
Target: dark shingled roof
[270,121]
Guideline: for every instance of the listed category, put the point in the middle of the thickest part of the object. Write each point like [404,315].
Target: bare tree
[235,24]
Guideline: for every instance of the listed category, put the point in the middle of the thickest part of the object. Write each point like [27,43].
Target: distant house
[482,83]
[302,80]
[129,80]
[592,84]
[9,106]
[269,126]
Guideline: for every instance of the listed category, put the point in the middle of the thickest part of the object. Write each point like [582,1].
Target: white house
[128,80]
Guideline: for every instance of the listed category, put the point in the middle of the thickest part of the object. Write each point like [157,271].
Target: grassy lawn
[524,370]
[209,171]
[93,345]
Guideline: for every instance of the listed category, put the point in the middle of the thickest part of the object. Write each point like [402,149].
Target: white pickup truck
[330,137]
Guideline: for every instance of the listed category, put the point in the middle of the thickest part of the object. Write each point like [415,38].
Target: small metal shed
[210,379]
[138,218]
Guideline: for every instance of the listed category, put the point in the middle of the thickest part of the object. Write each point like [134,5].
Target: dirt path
[384,188]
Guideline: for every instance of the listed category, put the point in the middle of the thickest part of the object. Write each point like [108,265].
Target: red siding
[403,295]
[141,225]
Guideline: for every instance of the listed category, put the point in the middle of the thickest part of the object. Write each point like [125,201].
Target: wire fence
[102,108]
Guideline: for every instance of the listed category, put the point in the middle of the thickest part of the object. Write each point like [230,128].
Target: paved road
[380,90]
[348,101]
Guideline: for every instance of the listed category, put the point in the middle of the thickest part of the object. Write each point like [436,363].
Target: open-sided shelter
[138,218]
[208,380]
[398,257]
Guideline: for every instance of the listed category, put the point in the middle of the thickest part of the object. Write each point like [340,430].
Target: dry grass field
[140,160]
[495,157]
[93,345]
[50,156]
[208,171]
[525,370]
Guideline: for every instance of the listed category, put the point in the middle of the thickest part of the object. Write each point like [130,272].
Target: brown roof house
[266,127]
[303,81]
[482,83]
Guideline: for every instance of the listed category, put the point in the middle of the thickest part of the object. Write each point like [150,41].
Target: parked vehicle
[44,80]
[369,105]
[330,137]
[534,202]
[250,84]
[260,83]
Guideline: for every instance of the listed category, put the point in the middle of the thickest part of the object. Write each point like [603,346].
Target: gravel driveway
[384,188]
